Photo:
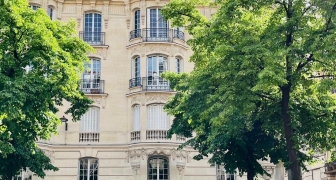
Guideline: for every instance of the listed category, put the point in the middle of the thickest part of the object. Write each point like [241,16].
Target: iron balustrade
[157,34]
[135,136]
[93,38]
[135,34]
[89,137]
[152,83]
[92,86]
[135,82]
[157,135]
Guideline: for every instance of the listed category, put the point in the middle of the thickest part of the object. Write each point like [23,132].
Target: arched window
[93,28]
[91,77]
[136,79]
[157,119]
[136,118]
[178,65]
[158,168]
[89,125]
[157,26]
[51,12]
[156,65]
[34,7]
[88,169]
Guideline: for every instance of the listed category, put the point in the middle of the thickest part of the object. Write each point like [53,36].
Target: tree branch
[265,96]
[283,4]
[301,65]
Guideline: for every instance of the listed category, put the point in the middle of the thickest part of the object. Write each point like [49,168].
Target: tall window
[177,65]
[136,72]
[51,12]
[91,76]
[158,168]
[88,169]
[90,120]
[136,118]
[157,119]
[92,28]
[222,174]
[157,26]
[156,65]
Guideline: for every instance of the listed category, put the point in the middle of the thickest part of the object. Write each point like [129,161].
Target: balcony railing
[135,136]
[134,82]
[156,135]
[152,83]
[135,34]
[93,38]
[92,86]
[89,137]
[180,138]
[157,34]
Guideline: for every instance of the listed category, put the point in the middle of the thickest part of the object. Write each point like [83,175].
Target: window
[34,7]
[24,175]
[157,119]
[157,27]
[88,169]
[158,168]
[136,118]
[177,65]
[92,28]
[89,125]
[222,174]
[156,65]
[178,33]
[136,79]
[91,77]
[50,12]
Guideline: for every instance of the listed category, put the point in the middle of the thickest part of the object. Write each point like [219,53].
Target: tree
[277,53]
[40,64]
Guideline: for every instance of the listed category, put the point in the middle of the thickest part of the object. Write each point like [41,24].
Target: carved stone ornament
[135,155]
[180,168]
[99,101]
[157,97]
[136,99]
[135,168]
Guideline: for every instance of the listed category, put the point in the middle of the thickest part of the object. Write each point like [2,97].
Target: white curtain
[90,120]
[157,119]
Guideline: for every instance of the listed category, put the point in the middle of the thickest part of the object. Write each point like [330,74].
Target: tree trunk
[289,133]
[250,175]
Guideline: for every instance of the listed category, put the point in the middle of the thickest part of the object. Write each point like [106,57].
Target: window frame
[157,118]
[87,125]
[136,117]
[157,168]
[86,176]
[51,12]
[221,173]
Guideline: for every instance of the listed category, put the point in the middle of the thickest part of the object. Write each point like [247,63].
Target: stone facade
[133,46]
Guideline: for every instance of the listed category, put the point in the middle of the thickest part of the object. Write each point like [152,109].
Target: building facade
[123,136]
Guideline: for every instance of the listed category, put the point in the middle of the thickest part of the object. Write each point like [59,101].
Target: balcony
[157,34]
[89,137]
[93,38]
[135,136]
[92,86]
[150,83]
[156,135]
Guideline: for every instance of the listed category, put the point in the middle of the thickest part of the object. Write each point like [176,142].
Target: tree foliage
[29,99]
[269,62]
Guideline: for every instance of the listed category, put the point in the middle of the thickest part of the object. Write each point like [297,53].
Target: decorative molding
[180,168]
[106,13]
[135,168]
[93,4]
[59,10]
[101,52]
[157,97]
[79,14]
[128,14]
[157,48]
[136,99]
[135,155]
[99,101]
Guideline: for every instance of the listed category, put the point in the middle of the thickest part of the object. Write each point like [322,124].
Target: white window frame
[154,164]
[91,75]
[221,173]
[157,118]
[93,34]
[178,65]
[92,165]
[157,27]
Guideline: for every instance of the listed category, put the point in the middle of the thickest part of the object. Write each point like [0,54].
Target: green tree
[40,64]
[281,54]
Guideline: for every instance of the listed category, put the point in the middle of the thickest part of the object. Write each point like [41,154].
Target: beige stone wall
[119,157]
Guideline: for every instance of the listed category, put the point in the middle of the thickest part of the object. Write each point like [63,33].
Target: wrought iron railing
[135,34]
[93,38]
[89,137]
[134,82]
[157,34]
[156,135]
[152,83]
[92,86]
[135,136]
